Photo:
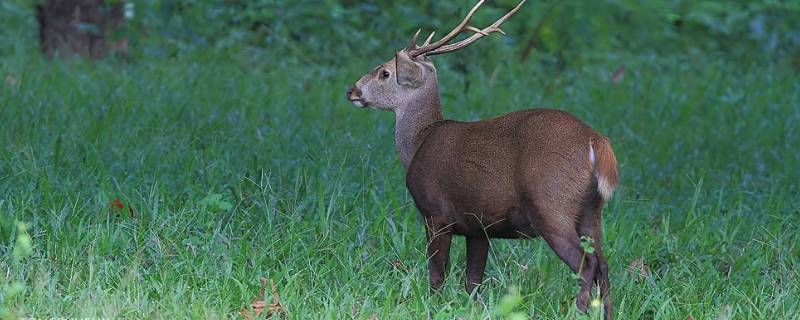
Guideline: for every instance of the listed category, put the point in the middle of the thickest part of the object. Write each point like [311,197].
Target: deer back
[489,166]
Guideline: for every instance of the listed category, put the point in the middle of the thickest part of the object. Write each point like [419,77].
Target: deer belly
[511,223]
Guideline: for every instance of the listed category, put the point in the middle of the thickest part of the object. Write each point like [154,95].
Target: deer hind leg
[589,225]
[557,227]
[439,239]
[477,252]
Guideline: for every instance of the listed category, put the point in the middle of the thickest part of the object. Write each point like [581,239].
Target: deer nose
[353,93]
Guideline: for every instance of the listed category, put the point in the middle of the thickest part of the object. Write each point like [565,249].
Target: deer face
[393,85]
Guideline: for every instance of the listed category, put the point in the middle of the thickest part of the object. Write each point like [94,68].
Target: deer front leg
[439,238]
[477,252]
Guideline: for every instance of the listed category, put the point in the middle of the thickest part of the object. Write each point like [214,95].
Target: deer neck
[412,119]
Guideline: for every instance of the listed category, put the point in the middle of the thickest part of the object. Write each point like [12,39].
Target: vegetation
[224,151]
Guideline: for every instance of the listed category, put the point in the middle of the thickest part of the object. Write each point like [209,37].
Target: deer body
[524,174]
[484,178]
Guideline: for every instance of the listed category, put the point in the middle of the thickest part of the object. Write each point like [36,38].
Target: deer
[526,174]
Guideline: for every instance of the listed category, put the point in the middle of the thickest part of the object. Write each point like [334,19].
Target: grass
[708,198]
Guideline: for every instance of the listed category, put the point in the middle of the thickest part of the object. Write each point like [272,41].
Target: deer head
[391,85]
[410,77]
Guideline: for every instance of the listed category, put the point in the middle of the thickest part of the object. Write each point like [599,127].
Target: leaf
[587,243]
[214,202]
[725,313]
[117,204]
[11,81]
[258,306]
[24,244]
[398,265]
[618,74]
[510,301]
[640,269]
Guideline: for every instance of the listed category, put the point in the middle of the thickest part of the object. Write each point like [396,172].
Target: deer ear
[409,73]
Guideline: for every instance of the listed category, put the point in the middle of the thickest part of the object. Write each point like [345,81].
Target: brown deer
[524,174]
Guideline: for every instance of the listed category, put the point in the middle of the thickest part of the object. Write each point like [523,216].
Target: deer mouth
[361,103]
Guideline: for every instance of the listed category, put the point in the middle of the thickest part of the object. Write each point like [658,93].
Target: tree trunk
[81,27]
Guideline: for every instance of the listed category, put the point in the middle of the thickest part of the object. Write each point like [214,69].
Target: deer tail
[605,166]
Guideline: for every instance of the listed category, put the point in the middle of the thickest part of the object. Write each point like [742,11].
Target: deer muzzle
[354,95]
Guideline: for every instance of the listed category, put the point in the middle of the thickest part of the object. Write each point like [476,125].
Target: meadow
[168,186]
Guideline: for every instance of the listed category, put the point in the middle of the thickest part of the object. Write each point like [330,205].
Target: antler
[441,46]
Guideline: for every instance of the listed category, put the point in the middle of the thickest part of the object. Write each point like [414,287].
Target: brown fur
[524,174]
[606,167]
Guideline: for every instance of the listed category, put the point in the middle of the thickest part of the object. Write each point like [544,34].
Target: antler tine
[413,44]
[495,27]
[428,41]
[453,33]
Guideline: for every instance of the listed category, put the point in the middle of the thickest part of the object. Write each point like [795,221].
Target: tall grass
[708,198]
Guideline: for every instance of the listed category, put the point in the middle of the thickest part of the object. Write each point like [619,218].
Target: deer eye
[384,74]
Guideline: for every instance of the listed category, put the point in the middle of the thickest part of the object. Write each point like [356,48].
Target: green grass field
[708,198]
